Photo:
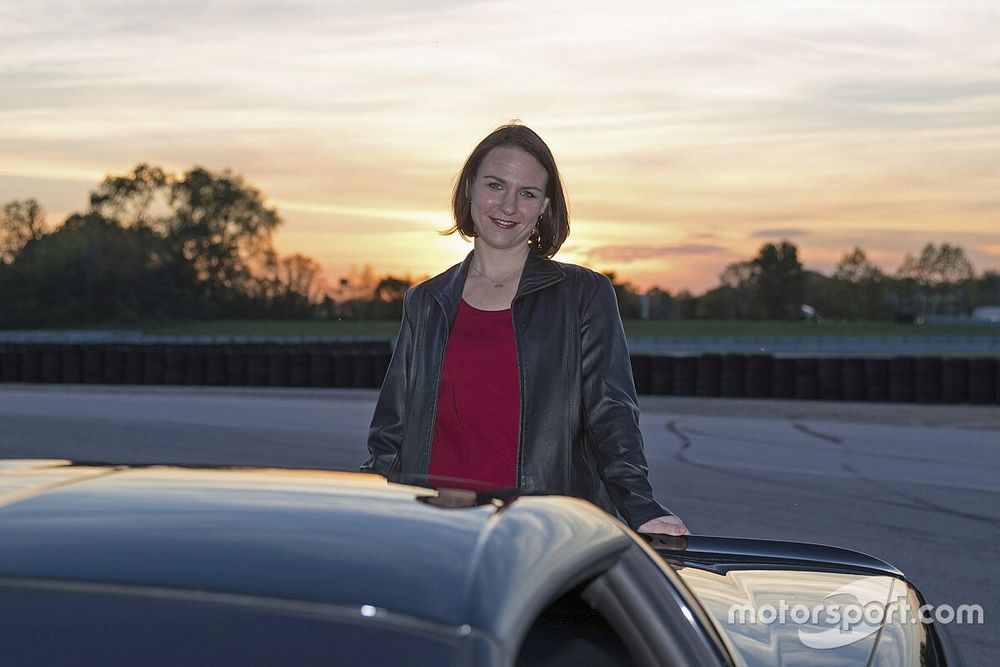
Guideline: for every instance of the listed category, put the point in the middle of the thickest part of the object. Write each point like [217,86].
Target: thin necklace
[497,284]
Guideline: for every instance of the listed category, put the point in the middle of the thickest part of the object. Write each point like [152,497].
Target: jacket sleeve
[385,435]
[611,411]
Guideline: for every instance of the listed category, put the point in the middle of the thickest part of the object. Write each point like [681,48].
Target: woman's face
[507,196]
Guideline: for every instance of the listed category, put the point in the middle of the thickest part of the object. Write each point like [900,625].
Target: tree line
[774,285]
[158,246]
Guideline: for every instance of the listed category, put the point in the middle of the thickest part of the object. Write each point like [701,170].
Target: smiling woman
[511,370]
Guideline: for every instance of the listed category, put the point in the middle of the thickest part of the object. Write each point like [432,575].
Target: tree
[854,267]
[388,296]
[937,265]
[391,289]
[661,304]
[301,276]
[92,269]
[859,286]
[21,221]
[221,225]
[988,289]
[216,222]
[939,280]
[720,303]
[129,198]
[734,297]
[686,305]
[779,281]
[292,286]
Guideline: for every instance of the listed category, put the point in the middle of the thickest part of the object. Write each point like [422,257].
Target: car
[127,564]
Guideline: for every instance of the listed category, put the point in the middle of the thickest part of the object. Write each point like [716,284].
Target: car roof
[322,536]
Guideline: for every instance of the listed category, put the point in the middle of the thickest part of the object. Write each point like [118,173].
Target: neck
[498,262]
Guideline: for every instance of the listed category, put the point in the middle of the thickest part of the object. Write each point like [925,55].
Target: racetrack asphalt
[916,485]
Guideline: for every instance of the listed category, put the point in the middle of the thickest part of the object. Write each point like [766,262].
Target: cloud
[633,253]
[712,123]
[786,233]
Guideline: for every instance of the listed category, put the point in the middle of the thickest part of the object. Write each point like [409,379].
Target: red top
[479,402]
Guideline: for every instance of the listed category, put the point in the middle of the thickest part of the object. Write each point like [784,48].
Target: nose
[508,204]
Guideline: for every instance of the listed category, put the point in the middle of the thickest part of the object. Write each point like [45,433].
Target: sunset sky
[688,133]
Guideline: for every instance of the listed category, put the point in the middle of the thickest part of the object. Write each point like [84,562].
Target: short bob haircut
[553,228]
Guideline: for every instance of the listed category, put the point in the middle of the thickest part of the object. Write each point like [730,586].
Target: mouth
[503,224]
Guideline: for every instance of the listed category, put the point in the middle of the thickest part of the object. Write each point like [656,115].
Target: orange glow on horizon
[686,141]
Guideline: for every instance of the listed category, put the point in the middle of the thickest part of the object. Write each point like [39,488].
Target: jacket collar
[539,272]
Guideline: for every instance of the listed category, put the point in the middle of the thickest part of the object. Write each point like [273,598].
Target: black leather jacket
[579,433]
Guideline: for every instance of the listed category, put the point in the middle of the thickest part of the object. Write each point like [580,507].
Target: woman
[512,369]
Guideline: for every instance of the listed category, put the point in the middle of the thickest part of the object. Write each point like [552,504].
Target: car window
[569,633]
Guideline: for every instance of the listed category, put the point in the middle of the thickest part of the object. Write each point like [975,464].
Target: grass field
[389,328]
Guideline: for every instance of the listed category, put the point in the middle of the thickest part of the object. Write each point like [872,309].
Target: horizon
[687,136]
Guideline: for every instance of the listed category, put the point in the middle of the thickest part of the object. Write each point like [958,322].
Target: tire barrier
[997,383]
[173,365]
[362,369]
[298,369]
[876,379]
[982,381]
[257,374]
[685,376]
[807,378]
[31,365]
[132,369]
[852,387]
[10,365]
[91,365]
[927,376]
[278,368]
[954,380]
[215,367]
[321,369]
[194,366]
[342,369]
[71,369]
[831,379]
[783,378]
[734,370]
[708,377]
[901,379]
[328,364]
[661,375]
[236,367]
[112,365]
[757,383]
[154,363]
[51,364]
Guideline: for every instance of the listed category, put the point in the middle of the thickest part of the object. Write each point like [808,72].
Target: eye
[494,185]
[528,194]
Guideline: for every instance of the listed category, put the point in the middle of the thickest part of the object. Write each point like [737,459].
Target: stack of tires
[876,379]
[350,365]
[363,364]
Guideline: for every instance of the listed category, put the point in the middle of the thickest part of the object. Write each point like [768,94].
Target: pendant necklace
[497,284]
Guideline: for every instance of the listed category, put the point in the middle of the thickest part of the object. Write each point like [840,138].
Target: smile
[503,224]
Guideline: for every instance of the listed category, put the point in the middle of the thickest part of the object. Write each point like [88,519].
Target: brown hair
[553,228]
